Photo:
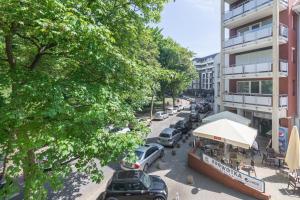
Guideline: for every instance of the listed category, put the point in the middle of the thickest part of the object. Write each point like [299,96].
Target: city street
[173,169]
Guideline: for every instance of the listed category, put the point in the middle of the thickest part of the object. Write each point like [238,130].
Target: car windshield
[165,135]
[146,180]
[139,154]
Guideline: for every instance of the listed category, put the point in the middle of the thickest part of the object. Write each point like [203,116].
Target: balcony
[256,70]
[250,11]
[256,102]
[255,39]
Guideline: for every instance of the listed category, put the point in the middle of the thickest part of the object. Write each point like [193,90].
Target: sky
[194,24]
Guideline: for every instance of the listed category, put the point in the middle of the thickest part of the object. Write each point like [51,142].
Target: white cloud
[205,5]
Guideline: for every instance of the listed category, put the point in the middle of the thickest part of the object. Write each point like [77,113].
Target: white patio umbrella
[229,132]
[227,115]
[292,157]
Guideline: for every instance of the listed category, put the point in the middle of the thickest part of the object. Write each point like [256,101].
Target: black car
[135,185]
[184,126]
[194,116]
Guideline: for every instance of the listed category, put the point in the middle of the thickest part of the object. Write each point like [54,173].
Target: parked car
[146,121]
[169,137]
[194,116]
[146,156]
[160,115]
[204,107]
[171,111]
[120,130]
[134,184]
[178,108]
[184,126]
[187,107]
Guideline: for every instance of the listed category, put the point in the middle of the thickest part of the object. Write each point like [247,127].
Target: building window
[254,87]
[266,87]
[243,87]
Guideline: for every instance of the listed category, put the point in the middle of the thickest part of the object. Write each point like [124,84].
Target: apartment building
[205,66]
[260,38]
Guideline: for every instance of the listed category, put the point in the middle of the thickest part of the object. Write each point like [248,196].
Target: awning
[229,132]
[227,115]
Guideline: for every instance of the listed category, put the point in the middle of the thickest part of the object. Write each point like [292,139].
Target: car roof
[146,147]
[128,174]
[168,130]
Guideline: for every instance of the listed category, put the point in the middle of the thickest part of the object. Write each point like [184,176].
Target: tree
[177,60]
[68,70]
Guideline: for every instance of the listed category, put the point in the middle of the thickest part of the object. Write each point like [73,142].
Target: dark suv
[184,126]
[135,185]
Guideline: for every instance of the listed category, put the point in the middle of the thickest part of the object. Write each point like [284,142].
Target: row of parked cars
[133,182]
[161,115]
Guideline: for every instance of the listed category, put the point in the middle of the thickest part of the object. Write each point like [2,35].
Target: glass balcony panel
[283,101]
[264,67]
[249,6]
[284,66]
[250,68]
[237,11]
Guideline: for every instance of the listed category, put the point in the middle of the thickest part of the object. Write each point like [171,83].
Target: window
[266,87]
[255,26]
[254,87]
[135,186]
[149,152]
[119,187]
[243,87]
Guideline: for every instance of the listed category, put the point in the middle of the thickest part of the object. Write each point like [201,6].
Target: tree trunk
[164,102]
[29,173]
[152,104]
[173,98]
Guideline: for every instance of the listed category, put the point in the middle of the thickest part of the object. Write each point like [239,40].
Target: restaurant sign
[251,182]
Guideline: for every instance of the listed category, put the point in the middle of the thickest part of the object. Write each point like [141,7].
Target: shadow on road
[71,187]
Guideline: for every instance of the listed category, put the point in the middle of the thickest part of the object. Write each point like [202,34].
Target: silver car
[160,115]
[146,155]
[169,137]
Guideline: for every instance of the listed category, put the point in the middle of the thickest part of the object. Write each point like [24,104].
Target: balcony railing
[256,99]
[263,32]
[255,68]
[248,6]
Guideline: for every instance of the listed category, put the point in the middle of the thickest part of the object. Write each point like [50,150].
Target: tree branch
[38,56]
[9,50]
[32,40]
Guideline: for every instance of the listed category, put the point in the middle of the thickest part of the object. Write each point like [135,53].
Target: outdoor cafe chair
[293,182]
[268,160]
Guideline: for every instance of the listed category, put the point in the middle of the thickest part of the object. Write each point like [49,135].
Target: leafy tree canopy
[70,68]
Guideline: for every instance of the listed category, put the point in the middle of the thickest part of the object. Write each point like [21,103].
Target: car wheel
[159,198]
[162,153]
[146,168]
